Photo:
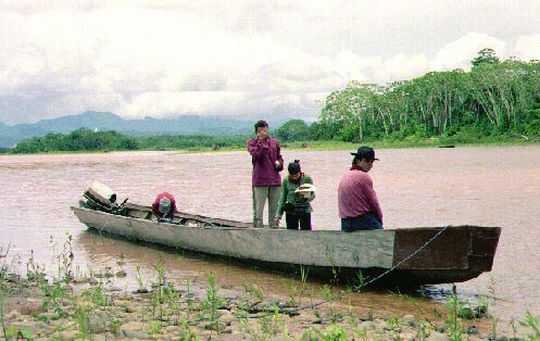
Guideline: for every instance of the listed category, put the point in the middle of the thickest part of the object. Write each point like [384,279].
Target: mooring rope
[354,289]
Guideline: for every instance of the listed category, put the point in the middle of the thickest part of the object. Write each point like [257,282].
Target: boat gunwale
[250,228]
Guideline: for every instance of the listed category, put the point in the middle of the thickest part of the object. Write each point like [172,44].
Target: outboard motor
[102,198]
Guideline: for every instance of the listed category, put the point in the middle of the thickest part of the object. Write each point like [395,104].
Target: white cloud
[528,47]
[459,53]
[138,58]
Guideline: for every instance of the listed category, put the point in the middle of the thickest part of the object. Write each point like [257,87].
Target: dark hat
[365,152]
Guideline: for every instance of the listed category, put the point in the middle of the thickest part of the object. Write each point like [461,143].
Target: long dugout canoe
[458,254]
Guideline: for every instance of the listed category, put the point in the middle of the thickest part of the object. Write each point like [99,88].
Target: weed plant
[211,304]
[533,323]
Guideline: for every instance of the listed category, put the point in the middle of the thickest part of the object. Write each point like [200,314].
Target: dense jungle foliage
[494,101]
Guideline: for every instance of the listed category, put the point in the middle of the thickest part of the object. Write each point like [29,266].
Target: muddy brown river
[492,186]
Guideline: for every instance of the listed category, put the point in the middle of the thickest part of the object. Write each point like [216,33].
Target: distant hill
[181,125]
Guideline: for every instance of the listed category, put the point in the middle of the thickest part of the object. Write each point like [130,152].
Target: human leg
[260,193]
[305,222]
[369,221]
[349,224]
[274,192]
[292,221]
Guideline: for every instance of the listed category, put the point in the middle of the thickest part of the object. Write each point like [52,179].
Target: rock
[472,330]
[12,315]
[380,330]
[69,335]
[208,325]
[367,317]
[366,325]
[141,291]
[227,320]
[505,338]
[407,336]
[173,330]
[103,337]
[97,324]
[382,324]
[136,334]
[436,336]
[410,320]
[133,325]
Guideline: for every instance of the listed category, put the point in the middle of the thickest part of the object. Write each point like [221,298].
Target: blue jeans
[366,221]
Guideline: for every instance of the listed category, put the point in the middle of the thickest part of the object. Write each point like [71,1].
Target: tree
[293,130]
[485,56]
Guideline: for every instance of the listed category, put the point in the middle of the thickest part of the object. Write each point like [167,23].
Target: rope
[357,288]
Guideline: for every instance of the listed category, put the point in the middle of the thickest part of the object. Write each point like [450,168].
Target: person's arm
[279,157]
[371,198]
[282,199]
[256,147]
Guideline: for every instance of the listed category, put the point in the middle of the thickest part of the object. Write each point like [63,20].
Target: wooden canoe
[458,254]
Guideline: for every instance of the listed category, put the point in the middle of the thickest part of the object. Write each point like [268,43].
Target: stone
[97,324]
[136,334]
[141,291]
[407,336]
[382,324]
[69,335]
[366,325]
[410,320]
[133,325]
[472,330]
[437,336]
[12,315]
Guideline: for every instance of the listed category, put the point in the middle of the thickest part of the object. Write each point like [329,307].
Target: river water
[491,186]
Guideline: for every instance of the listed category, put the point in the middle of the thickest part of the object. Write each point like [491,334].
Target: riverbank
[74,306]
[235,143]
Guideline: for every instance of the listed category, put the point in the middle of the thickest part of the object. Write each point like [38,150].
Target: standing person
[266,181]
[357,201]
[296,195]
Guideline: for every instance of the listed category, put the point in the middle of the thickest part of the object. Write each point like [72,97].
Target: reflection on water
[416,187]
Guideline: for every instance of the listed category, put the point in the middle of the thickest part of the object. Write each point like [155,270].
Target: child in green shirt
[297,191]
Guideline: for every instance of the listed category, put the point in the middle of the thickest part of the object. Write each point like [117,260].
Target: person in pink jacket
[357,201]
[266,180]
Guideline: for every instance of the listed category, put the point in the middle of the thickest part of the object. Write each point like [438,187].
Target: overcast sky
[245,58]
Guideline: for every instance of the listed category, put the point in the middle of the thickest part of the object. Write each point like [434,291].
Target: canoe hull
[458,254]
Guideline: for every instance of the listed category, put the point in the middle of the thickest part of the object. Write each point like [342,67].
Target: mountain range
[181,125]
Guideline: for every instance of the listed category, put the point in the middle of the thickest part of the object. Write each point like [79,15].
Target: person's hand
[262,133]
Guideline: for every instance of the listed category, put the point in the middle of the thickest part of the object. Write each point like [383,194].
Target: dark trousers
[366,221]
[292,221]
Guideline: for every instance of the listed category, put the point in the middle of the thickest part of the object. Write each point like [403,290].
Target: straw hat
[305,188]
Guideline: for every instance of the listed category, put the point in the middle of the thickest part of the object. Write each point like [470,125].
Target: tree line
[493,99]
[84,139]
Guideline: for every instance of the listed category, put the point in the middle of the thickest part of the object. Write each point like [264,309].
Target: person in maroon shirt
[266,181]
[357,201]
